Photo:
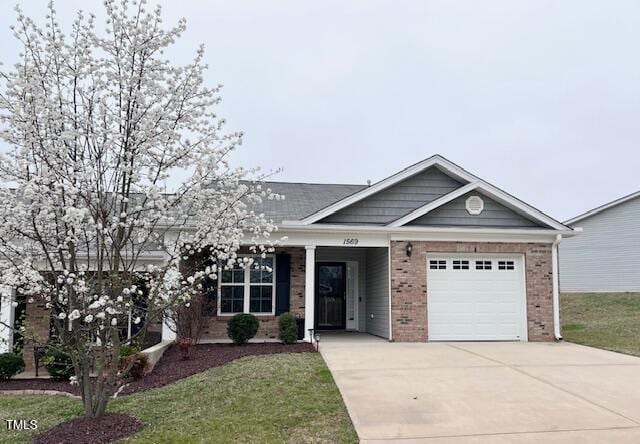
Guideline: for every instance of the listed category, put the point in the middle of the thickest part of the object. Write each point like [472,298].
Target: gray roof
[302,199]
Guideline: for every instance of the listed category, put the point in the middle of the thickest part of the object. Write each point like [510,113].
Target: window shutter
[283,283]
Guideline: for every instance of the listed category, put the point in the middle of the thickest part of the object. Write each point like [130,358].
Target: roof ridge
[311,183]
[600,208]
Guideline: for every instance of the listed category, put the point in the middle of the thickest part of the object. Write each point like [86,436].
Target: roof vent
[474,205]
[368,182]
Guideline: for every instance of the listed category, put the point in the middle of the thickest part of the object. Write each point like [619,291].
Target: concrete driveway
[485,392]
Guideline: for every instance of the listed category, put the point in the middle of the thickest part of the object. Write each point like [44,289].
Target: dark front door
[331,292]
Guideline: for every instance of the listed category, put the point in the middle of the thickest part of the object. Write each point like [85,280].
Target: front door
[331,291]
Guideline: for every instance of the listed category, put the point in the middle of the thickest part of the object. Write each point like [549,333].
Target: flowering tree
[96,123]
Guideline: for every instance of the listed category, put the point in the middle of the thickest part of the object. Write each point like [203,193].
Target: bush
[58,364]
[288,331]
[137,365]
[128,350]
[10,365]
[242,327]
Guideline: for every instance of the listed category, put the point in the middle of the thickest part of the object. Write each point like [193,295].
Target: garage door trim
[521,258]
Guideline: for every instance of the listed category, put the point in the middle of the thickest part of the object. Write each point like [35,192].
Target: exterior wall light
[409,249]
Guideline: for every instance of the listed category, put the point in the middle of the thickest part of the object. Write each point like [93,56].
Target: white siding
[605,257]
[377,290]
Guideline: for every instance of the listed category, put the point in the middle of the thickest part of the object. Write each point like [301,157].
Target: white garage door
[475,297]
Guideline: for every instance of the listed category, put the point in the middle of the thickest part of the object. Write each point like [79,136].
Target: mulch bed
[105,429]
[171,366]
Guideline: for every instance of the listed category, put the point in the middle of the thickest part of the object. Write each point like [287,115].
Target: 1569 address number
[350,241]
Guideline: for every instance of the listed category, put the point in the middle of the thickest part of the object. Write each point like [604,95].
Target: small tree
[96,124]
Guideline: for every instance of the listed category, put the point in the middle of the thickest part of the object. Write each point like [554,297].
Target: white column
[309,290]
[168,329]
[7,312]
[556,288]
[168,326]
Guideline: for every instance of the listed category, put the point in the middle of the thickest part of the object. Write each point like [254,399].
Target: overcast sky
[541,98]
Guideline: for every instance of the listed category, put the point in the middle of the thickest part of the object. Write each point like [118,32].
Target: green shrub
[58,364]
[10,365]
[242,327]
[128,350]
[288,331]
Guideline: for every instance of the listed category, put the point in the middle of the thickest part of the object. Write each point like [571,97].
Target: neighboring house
[606,255]
[429,253]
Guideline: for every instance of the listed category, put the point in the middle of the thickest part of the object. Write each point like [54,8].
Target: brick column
[37,326]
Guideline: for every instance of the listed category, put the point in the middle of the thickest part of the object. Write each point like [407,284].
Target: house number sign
[350,241]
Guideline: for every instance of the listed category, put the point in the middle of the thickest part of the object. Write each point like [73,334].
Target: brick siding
[216,327]
[409,285]
[37,324]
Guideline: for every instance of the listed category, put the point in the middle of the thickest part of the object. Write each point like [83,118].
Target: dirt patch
[171,366]
[105,429]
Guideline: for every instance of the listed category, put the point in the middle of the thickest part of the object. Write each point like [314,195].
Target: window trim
[247,289]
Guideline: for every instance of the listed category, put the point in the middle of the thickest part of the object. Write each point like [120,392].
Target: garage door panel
[483,302]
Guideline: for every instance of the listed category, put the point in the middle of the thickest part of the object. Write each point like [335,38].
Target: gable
[397,200]
[494,214]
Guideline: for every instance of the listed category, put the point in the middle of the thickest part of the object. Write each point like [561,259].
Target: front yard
[274,398]
[605,320]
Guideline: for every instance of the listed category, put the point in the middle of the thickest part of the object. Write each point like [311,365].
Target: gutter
[556,288]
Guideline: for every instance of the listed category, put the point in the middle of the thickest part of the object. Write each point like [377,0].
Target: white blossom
[97,124]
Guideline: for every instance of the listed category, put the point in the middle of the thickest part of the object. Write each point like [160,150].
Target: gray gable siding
[397,200]
[605,257]
[494,214]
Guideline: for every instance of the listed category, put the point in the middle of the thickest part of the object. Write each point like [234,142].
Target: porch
[347,290]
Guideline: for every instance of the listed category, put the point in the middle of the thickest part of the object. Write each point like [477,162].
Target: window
[438,265]
[506,265]
[483,265]
[261,285]
[232,283]
[248,289]
[460,265]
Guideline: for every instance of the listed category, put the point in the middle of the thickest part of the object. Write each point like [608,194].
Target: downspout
[556,288]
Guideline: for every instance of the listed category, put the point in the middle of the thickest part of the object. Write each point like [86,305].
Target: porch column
[7,312]
[309,290]
[168,329]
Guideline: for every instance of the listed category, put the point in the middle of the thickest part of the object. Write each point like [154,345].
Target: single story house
[431,253]
[606,256]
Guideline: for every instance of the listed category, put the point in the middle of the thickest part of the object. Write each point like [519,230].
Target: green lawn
[604,320]
[275,398]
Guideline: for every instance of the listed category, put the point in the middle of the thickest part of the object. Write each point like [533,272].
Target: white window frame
[247,288]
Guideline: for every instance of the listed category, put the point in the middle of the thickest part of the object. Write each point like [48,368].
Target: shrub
[128,350]
[135,366]
[184,345]
[288,331]
[10,365]
[58,364]
[242,327]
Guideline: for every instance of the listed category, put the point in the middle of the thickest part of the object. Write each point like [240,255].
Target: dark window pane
[261,299]
[234,275]
[262,270]
[231,299]
[238,276]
